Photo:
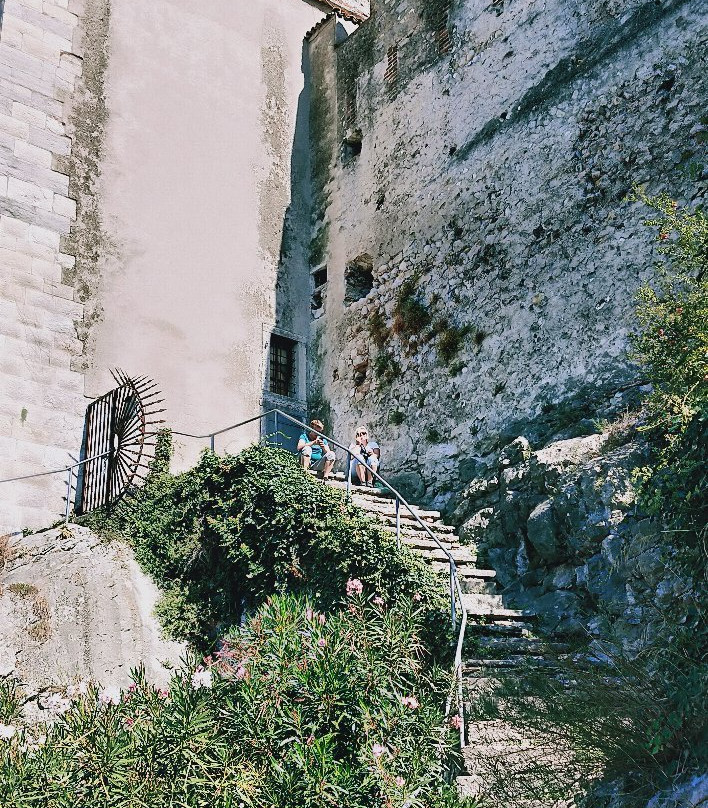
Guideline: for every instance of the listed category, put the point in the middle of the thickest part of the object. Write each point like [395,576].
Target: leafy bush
[228,533]
[672,346]
[295,710]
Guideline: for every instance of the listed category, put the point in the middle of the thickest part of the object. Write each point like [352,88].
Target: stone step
[519,645]
[413,526]
[501,628]
[461,555]
[517,662]
[422,541]
[469,785]
[386,507]
[492,607]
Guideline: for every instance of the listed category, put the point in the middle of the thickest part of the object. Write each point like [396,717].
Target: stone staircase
[503,639]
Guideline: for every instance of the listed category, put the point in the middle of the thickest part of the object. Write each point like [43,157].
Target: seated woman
[314,451]
[367,456]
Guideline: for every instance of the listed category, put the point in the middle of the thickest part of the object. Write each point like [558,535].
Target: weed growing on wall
[410,315]
[227,534]
[298,708]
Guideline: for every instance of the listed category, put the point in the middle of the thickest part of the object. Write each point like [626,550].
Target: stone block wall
[41,397]
[495,148]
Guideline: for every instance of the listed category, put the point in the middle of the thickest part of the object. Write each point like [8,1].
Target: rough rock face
[497,142]
[73,606]
[561,527]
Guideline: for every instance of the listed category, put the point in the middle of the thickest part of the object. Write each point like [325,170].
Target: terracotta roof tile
[356,10]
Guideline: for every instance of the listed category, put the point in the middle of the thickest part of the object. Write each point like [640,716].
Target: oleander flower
[109,695]
[322,619]
[377,750]
[410,701]
[354,587]
[400,782]
[56,704]
[201,678]
[7,732]
[309,614]
[322,642]
[79,689]
[378,600]
[241,672]
[417,597]
[455,721]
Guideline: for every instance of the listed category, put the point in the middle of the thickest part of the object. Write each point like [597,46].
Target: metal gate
[117,435]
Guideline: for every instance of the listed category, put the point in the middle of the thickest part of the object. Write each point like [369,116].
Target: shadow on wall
[285,384]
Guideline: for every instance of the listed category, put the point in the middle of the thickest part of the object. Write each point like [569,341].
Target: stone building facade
[476,256]
[154,216]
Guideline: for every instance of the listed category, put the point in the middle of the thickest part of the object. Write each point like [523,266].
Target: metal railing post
[212,442]
[398,522]
[277,436]
[452,595]
[349,474]
[68,495]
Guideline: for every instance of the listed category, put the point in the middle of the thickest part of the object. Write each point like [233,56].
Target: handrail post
[398,522]
[68,495]
[277,436]
[349,474]
[212,442]
[452,595]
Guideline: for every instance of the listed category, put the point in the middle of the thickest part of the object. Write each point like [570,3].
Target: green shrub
[672,346]
[235,529]
[296,710]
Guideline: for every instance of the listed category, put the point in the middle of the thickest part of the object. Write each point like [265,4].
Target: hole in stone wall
[319,281]
[358,278]
[351,145]
[391,75]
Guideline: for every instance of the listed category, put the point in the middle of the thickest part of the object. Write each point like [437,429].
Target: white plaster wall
[195,184]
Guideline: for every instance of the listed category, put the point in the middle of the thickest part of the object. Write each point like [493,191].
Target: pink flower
[164,693]
[241,672]
[378,600]
[309,614]
[455,722]
[417,597]
[410,701]
[322,619]
[400,782]
[322,642]
[377,750]
[354,587]
[129,722]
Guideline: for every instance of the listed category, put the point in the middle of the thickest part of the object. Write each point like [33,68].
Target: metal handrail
[455,588]
[69,481]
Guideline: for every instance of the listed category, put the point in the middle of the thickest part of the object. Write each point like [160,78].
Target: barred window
[282,365]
